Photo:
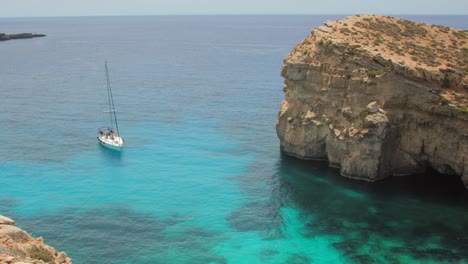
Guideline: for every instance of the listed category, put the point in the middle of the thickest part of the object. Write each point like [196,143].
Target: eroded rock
[17,246]
[6,220]
[355,96]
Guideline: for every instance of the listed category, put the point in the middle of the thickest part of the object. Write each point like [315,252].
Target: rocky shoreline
[378,96]
[4,36]
[17,246]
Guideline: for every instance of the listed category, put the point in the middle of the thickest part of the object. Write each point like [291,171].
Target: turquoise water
[201,178]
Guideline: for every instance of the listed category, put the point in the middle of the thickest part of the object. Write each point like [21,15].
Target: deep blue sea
[201,178]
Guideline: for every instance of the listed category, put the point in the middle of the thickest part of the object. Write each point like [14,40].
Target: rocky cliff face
[378,96]
[17,246]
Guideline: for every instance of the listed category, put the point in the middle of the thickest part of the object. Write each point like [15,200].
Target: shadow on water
[415,218]
[111,154]
[118,234]
[430,186]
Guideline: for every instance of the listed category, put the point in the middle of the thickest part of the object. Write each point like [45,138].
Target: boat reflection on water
[111,154]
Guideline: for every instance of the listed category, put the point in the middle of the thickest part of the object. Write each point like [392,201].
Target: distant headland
[4,36]
[378,96]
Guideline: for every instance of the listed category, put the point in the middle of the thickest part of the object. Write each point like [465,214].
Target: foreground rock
[4,36]
[378,96]
[17,246]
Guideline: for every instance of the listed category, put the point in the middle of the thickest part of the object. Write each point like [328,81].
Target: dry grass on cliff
[411,43]
[432,53]
[38,252]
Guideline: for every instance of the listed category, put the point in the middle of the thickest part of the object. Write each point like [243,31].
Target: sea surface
[201,178]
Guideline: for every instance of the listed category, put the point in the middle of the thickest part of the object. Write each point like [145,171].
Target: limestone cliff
[16,246]
[378,96]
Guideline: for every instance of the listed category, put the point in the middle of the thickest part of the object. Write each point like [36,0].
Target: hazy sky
[25,8]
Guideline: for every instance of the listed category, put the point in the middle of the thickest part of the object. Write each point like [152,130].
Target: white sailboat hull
[114,142]
[107,136]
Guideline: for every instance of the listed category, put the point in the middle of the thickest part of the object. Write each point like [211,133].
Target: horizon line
[253,14]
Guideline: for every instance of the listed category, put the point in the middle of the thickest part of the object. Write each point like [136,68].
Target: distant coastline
[4,36]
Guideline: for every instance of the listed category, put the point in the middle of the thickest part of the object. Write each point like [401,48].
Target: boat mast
[111,101]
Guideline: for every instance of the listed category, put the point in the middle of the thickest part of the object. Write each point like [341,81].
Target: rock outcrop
[4,36]
[378,96]
[17,246]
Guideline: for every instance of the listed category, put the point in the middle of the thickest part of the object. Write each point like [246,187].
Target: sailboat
[109,136]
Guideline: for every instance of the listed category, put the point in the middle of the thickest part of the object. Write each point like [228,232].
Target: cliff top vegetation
[437,54]
[416,44]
